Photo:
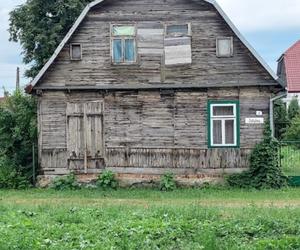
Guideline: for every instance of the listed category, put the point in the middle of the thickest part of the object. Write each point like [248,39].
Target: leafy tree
[293,109]
[293,132]
[281,121]
[264,171]
[18,132]
[40,26]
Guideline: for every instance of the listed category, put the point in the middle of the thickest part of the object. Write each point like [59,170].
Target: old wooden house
[142,87]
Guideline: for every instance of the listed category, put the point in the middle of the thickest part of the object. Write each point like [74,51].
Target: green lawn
[148,219]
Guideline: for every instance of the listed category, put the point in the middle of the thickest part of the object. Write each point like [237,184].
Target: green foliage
[39,26]
[264,169]
[293,132]
[107,180]
[9,177]
[290,159]
[281,121]
[68,182]
[293,109]
[167,182]
[149,219]
[18,132]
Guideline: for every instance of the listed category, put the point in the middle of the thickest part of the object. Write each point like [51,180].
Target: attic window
[123,44]
[178,30]
[75,52]
[224,47]
[178,44]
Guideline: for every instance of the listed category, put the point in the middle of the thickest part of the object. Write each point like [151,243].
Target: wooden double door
[85,136]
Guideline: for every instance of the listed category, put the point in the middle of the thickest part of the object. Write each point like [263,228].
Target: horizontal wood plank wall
[151,129]
[252,100]
[95,68]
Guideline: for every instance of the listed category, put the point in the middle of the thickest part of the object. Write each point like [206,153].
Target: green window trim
[210,104]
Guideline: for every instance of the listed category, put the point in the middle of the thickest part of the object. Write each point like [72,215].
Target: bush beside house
[264,171]
[18,134]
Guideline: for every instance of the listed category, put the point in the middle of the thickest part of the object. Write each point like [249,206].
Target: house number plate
[256,120]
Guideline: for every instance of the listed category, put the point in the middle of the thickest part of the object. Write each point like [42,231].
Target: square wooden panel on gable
[75,52]
[224,46]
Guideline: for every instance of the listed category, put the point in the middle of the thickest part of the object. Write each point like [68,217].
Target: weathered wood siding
[95,68]
[142,130]
[149,129]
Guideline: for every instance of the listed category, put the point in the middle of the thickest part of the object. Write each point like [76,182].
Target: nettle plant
[68,182]
[167,182]
[107,180]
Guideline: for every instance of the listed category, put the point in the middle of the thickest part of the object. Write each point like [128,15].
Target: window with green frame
[223,124]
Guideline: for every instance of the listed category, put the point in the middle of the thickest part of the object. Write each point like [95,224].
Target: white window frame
[71,51]
[231,46]
[223,119]
[123,38]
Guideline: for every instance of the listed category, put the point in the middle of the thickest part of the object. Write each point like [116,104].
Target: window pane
[117,50]
[178,29]
[229,132]
[224,47]
[76,52]
[223,110]
[129,50]
[217,132]
[123,30]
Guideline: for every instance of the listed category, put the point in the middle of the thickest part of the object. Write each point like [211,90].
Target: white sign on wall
[256,120]
[259,113]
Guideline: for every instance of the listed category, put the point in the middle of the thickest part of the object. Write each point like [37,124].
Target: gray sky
[271,26]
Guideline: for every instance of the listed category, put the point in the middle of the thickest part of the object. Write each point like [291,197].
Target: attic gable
[98,4]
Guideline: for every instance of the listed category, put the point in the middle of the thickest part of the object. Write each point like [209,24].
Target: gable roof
[96,2]
[292,67]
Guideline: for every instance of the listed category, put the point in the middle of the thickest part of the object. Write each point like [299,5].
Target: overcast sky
[271,26]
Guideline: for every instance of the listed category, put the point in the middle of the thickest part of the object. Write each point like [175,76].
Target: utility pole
[18,79]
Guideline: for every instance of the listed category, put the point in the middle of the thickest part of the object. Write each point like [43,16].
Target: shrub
[67,182]
[264,169]
[107,180]
[9,177]
[18,132]
[293,109]
[167,182]
[293,132]
[281,121]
